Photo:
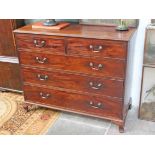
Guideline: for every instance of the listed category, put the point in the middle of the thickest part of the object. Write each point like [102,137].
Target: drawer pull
[44,96]
[96,106]
[42,77]
[95,49]
[99,67]
[91,47]
[41,61]
[39,44]
[98,86]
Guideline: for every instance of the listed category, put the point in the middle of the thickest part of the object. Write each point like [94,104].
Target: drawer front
[42,43]
[98,106]
[98,48]
[106,67]
[88,84]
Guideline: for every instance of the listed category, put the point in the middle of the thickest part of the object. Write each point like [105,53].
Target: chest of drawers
[81,69]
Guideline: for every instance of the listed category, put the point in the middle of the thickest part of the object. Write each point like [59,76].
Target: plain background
[138,60]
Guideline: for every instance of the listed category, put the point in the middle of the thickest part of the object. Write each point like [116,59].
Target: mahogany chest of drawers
[81,69]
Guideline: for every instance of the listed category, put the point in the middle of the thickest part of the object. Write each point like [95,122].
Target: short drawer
[89,84]
[91,66]
[43,43]
[98,106]
[98,48]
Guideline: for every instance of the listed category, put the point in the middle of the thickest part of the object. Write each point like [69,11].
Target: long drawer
[98,106]
[107,67]
[97,48]
[101,86]
[40,43]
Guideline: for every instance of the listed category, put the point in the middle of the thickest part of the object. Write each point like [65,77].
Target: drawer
[98,48]
[101,86]
[106,67]
[93,105]
[42,43]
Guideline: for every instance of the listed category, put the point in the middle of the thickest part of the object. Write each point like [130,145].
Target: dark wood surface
[83,31]
[91,48]
[7,45]
[73,101]
[10,76]
[40,43]
[75,46]
[86,84]
[73,72]
[9,71]
[109,67]
[7,42]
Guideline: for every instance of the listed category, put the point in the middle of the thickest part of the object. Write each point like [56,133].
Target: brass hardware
[39,44]
[42,77]
[96,49]
[91,46]
[44,96]
[100,66]
[41,61]
[98,86]
[96,106]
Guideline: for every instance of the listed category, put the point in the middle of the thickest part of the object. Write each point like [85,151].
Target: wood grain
[9,72]
[89,84]
[73,101]
[110,67]
[86,73]
[83,31]
[111,49]
[10,76]
[51,44]
[7,46]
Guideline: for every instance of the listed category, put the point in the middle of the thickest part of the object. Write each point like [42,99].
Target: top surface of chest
[83,31]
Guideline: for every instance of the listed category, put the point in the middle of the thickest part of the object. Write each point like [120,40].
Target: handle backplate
[41,60]
[42,77]
[96,48]
[95,86]
[98,105]
[44,95]
[39,43]
[94,67]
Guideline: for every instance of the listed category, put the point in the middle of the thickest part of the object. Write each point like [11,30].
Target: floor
[73,124]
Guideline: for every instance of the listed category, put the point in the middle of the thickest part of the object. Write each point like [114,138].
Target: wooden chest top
[83,31]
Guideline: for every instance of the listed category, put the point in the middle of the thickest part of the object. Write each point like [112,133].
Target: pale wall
[138,61]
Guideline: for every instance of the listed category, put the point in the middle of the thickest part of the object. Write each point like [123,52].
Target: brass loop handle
[39,44]
[42,77]
[98,86]
[99,105]
[96,49]
[44,96]
[41,61]
[99,67]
